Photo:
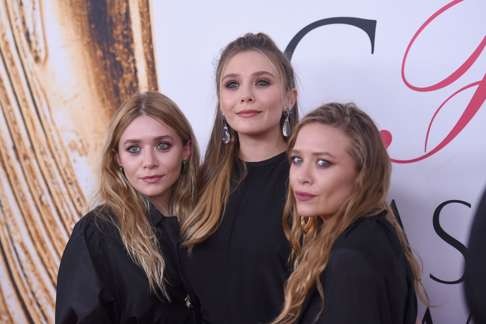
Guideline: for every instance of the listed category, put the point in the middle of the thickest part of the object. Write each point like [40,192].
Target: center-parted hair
[220,159]
[129,207]
[312,241]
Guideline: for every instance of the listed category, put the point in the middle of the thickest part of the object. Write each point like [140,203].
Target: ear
[291,98]
[187,150]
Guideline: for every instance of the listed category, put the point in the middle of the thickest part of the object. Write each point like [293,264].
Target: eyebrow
[316,153]
[255,74]
[136,140]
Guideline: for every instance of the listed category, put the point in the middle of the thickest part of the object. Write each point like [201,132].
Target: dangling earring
[286,124]
[184,166]
[226,138]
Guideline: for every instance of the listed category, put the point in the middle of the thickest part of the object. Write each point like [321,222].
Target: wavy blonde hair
[128,206]
[220,159]
[312,245]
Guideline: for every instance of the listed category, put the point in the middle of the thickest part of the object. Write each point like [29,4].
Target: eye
[231,84]
[295,160]
[321,163]
[163,146]
[133,149]
[263,83]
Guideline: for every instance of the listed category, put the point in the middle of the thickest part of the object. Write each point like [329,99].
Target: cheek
[341,192]
[333,192]
[226,101]
[129,162]
[172,161]
[292,177]
[273,100]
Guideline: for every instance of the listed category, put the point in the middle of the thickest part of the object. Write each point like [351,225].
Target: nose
[149,159]
[247,94]
[304,174]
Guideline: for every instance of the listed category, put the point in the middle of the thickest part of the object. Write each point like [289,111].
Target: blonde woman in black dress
[238,252]
[121,263]
[352,262]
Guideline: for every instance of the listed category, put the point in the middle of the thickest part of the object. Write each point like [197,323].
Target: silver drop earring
[286,124]
[226,138]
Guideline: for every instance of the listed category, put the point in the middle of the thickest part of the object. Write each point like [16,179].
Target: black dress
[367,279]
[99,283]
[239,272]
[475,269]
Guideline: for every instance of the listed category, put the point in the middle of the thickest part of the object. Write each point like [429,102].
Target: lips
[303,196]
[152,179]
[248,113]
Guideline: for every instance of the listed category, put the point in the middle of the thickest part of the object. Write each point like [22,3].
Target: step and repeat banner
[417,67]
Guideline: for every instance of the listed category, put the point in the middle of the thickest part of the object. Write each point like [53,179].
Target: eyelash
[160,147]
[231,84]
[133,149]
[261,83]
[165,148]
[297,160]
[325,165]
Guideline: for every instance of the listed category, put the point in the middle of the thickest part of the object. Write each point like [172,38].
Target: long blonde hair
[217,169]
[129,207]
[311,246]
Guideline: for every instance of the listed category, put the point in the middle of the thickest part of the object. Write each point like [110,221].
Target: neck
[161,204]
[254,148]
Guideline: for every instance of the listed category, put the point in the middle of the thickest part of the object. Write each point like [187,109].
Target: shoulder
[369,234]
[95,226]
[373,241]
[350,262]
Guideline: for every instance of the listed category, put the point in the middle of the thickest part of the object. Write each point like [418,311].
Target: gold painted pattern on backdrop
[41,196]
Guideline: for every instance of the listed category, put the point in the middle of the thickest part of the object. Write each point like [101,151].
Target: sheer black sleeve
[81,295]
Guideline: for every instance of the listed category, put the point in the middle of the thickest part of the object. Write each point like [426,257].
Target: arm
[353,291]
[80,296]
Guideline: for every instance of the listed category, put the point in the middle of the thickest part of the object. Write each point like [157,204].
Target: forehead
[143,127]
[317,137]
[248,62]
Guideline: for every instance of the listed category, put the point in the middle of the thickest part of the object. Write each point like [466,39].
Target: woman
[352,262]
[238,255]
[120,264]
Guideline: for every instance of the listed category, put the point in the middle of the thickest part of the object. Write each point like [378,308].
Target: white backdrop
[335,63]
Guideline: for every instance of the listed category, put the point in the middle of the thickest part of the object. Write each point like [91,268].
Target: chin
[307,212]
[152,192]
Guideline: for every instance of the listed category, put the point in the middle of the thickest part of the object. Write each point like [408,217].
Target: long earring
[286,130]
[184,165]
[226,138]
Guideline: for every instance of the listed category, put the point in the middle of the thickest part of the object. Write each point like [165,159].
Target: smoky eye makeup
[295,159]
[133,149]
[323,163]
[231,84]
[163,146]
[263,83]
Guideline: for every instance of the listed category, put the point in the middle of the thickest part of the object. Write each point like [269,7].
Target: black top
[99,283]
[475,269]
[239,272]
[367,279]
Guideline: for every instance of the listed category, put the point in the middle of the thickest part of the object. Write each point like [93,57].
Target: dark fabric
[239,272]
[475,269]
[99,283]
[367,280]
